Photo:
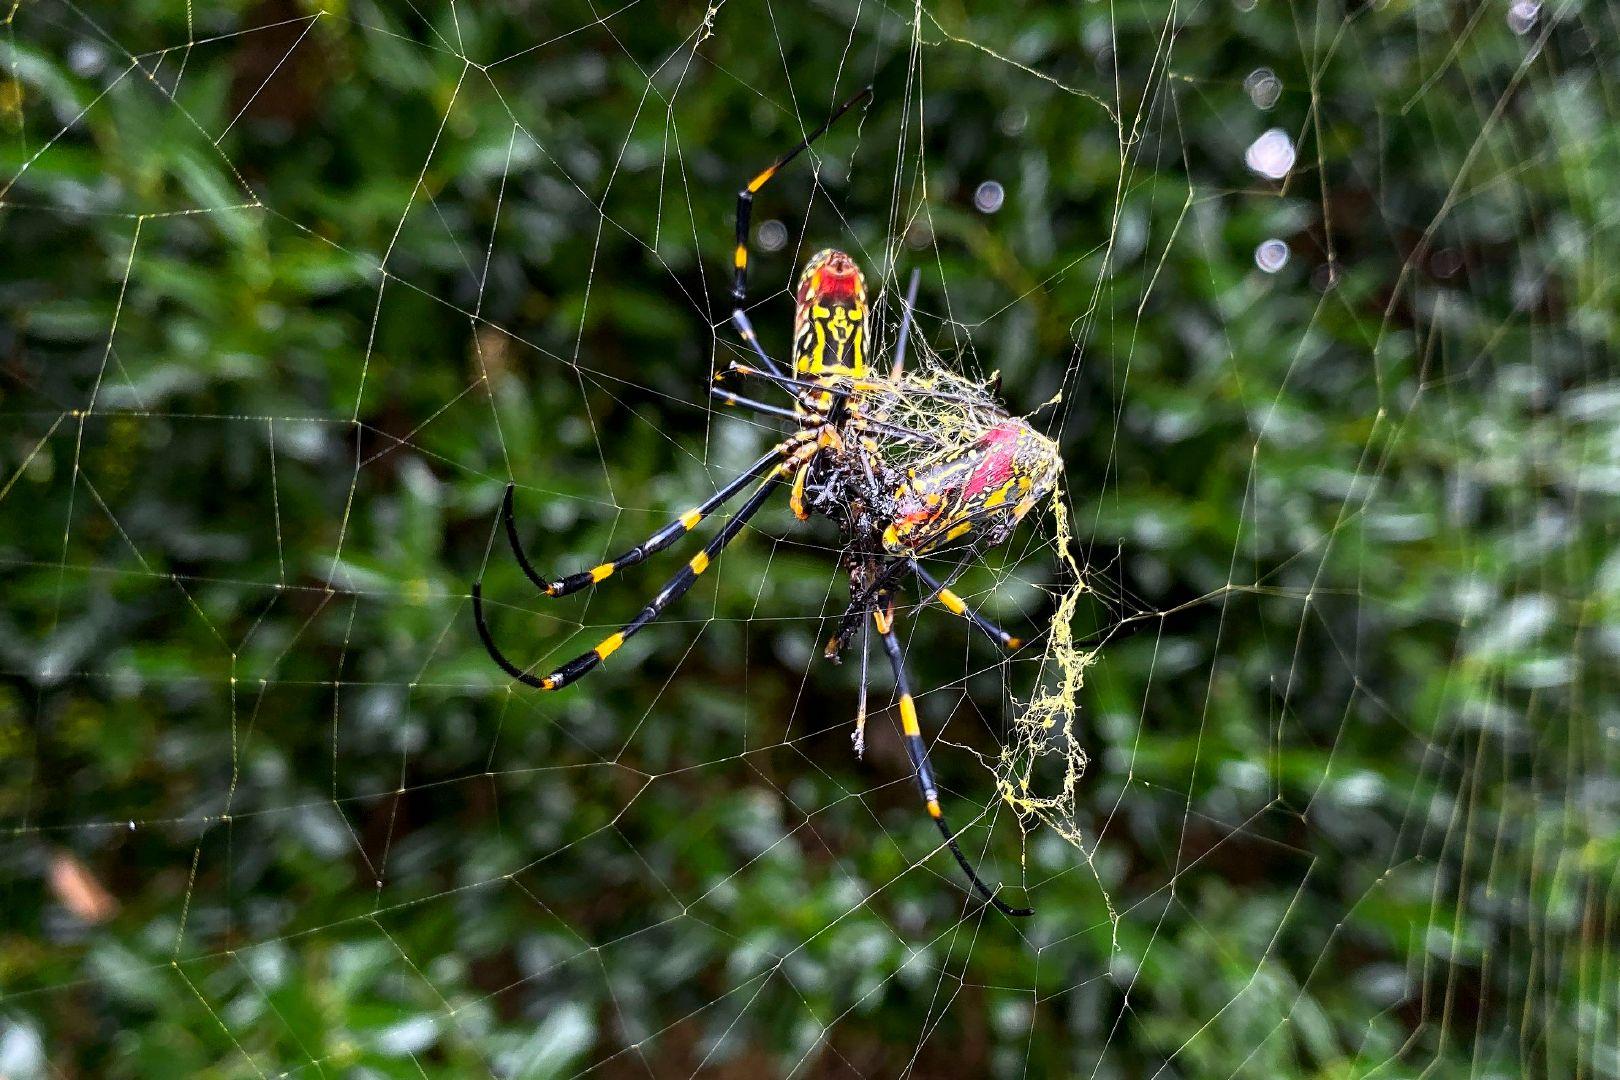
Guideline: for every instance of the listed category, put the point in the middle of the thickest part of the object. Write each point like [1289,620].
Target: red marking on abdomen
[830,286]
[835,286]
[996,468]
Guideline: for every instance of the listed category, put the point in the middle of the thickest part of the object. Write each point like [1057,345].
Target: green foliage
[288,294]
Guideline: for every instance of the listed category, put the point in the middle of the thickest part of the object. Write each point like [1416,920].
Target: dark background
[287,297]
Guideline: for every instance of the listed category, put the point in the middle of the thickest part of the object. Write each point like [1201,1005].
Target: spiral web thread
[1432,404]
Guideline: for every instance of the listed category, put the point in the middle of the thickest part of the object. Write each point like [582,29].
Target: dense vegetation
[282,311]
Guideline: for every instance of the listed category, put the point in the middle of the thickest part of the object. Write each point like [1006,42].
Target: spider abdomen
[977,495]
[829,322]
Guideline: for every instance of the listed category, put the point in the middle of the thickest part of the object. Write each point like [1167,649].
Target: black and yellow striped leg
[745,330]
[883,616]
[525,677]
[722,394]
[957,606]
[819,390]
[655,543]
[745,197]
[672,591]
[792,383]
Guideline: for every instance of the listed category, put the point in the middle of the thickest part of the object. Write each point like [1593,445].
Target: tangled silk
[1040,765]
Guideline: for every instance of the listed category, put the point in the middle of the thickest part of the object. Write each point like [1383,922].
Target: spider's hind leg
[727,397]
[883,618]
[957,606]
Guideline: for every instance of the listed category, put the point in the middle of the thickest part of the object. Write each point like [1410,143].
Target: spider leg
[721,394]
[796,499]
[745,330]
[847,388]
[905,328]
[883,617]
[745,208]
[844,392]
[957,606]
[859,735]
[655,543]
[858,607]
[672,591]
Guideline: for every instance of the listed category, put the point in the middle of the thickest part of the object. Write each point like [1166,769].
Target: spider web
[1308,769]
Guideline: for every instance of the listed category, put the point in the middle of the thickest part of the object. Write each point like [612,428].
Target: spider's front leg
[862,571]
[658,541]
[745,210]
[673,590]
[779,462]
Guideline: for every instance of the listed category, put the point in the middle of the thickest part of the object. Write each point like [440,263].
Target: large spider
[907,465]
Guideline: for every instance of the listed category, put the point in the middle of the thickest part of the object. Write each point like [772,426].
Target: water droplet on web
[989,197]
[1271,155]
[1272,255]
[85,58]
[1014,120]
[773,236]
[1264,87]
[1522,14]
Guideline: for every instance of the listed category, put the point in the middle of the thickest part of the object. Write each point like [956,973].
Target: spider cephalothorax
[906,464]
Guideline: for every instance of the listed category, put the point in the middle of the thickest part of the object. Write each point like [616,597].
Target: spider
[906,465]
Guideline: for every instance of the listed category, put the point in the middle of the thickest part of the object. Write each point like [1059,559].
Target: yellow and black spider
[907,465]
